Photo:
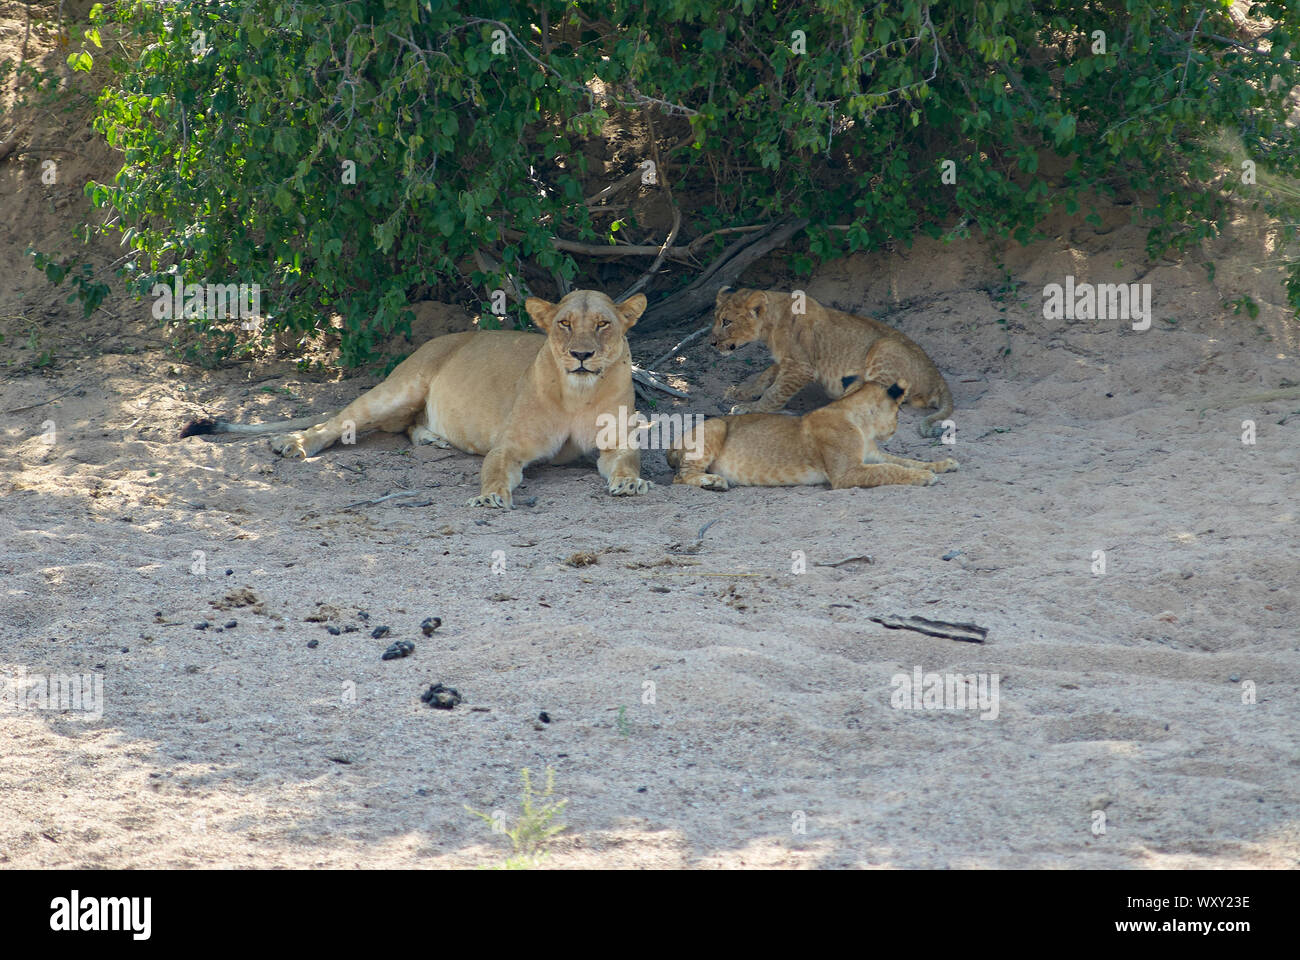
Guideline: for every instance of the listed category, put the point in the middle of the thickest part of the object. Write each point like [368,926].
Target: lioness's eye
[602,325]
[564,324]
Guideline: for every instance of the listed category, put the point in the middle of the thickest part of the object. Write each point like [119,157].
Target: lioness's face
[585,331]
[737,318]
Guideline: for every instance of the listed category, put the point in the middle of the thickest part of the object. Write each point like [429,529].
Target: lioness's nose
[581,356]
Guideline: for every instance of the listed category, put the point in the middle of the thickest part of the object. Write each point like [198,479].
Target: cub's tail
[932,426]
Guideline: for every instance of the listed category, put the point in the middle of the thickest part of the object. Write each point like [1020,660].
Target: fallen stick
[966,632]
[680,343]
[371,503]
[649,380]
[839,563]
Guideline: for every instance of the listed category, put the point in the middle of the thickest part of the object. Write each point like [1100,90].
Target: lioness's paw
[741,408]
[491,500]
[929,429]
[290,446]
[629,486]
[944,466]
[709,481]
[930,479]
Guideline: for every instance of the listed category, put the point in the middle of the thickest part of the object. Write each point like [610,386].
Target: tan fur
[823,346]
[513,398]
[835,444]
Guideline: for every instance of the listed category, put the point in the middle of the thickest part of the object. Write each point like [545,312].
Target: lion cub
[835,444]
[822,345]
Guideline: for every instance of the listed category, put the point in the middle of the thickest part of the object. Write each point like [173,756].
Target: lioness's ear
[897,391]
[630,309]
[541,311]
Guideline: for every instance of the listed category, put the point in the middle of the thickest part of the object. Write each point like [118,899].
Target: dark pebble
[201,625]
[441,697]
[362,615]
[231,624]
[332,630]
[399,649]
[350,628]
[544,717]
[229,572]
[313,644]
[379,632]
[430,624]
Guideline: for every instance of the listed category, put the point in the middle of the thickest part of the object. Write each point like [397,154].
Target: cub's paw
[422,435]
[742,408]
[944,466]
[629,486]
[738,391]
[290,446]
[705,481]
[494,500]
[930,430]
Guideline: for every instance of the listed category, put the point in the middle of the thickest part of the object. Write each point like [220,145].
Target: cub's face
[585,332]
[738,317]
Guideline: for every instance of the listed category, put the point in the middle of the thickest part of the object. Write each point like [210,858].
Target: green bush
[466,123]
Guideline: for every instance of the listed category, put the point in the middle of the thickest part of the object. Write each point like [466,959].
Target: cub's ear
[896,392]
[756,301]
[724,293]
[848,381]
[541,311]
[631,309]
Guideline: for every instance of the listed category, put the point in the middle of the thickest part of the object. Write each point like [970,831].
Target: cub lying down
[835,444]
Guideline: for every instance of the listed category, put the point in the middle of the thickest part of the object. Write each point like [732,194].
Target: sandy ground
[708,706]
[1121,692]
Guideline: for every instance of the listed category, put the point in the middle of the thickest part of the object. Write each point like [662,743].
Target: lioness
[514,398]
[835,444]
[825,346]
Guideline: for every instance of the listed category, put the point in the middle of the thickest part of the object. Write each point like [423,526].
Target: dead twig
[678,346]
[370,503]
[965,632]
[839,563]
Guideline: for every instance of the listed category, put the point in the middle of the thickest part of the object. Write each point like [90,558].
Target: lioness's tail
[931,426]
[197,428]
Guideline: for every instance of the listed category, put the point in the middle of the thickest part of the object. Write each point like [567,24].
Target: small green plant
[622,722]
[88,290]
[1241,303]
[535,827]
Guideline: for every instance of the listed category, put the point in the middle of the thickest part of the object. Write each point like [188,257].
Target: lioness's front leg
[789,379]
[622,469]
[503,469]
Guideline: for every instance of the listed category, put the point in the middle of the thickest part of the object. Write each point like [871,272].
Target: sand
[708,707]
